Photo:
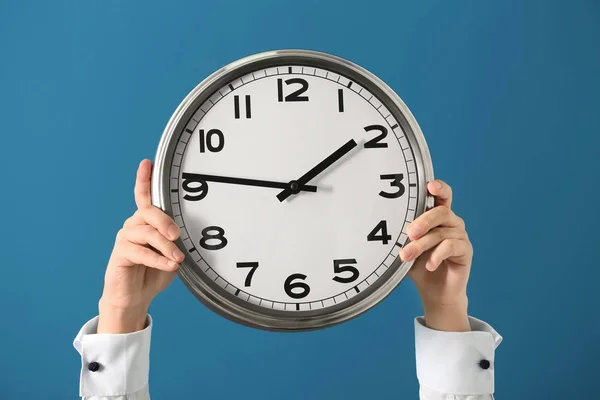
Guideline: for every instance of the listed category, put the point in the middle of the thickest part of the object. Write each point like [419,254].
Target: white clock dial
[293,183]
[313,249]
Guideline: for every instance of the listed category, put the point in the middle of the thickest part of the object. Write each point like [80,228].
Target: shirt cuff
[459,363]
[113,364]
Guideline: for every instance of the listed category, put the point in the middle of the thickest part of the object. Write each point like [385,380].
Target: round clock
[293,175]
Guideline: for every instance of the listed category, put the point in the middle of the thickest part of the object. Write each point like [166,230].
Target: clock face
[293,186]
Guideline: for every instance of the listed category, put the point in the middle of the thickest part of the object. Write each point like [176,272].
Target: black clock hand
[244,181]
[293,186]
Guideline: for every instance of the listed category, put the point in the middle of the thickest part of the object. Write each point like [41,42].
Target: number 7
[252,266]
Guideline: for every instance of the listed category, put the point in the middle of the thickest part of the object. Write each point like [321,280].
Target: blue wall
[506,93]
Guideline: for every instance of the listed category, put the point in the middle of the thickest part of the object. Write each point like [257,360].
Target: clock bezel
[225,303]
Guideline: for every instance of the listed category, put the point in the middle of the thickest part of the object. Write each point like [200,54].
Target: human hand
[443,253]
[142,264]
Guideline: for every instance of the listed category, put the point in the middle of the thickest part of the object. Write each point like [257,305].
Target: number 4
[383,237]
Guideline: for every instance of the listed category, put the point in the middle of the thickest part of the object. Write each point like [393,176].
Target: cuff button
[484,364]
[93,366]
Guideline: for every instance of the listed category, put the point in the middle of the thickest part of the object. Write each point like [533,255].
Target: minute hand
[245,181]
[320,167]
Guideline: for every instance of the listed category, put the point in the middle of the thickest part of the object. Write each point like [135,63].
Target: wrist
[120,320]
[449,317]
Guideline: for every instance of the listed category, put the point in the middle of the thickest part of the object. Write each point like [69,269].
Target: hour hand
[246,182]
[294,186]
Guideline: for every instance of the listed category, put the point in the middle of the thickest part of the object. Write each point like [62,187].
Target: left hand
[142,264]
[443,253]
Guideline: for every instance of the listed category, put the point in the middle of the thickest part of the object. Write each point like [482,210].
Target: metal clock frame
[225,303]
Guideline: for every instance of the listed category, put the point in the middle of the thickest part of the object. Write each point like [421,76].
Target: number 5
[338,269]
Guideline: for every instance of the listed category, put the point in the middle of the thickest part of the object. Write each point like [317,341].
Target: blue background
[506,93]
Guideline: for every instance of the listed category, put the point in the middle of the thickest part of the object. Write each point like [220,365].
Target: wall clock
[293,175]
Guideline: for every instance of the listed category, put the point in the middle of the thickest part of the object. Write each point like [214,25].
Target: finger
[437,216]
[442,193]
[147,235]
[448,248]
[142,193]
[156,218]
[136,254]
[415,272]
[414,249]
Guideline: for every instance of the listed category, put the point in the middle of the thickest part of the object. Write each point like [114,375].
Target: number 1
[341,100]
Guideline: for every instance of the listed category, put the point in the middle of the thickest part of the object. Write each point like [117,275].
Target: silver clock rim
[220,300]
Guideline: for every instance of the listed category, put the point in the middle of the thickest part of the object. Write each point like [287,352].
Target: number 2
[375,142]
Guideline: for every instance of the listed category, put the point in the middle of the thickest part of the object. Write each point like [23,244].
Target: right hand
[143,262]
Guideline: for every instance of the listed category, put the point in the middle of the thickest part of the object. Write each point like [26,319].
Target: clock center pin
[295,187]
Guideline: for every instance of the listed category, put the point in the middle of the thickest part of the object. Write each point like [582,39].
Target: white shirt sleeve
[450,365]
[456,365]
[113,366]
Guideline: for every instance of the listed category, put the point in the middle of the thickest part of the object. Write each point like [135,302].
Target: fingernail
[172,264]
[177,254]
[407,254]
[173,232]
[414,230]
[436,185]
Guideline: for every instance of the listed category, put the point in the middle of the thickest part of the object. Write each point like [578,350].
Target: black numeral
[396,182]
[383,237]
[252,266]
[236,107]
[374,143]
[294,96]
[188,181]
[289,285]
[338,268]
[219,236]
[213,141]
[341,100]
